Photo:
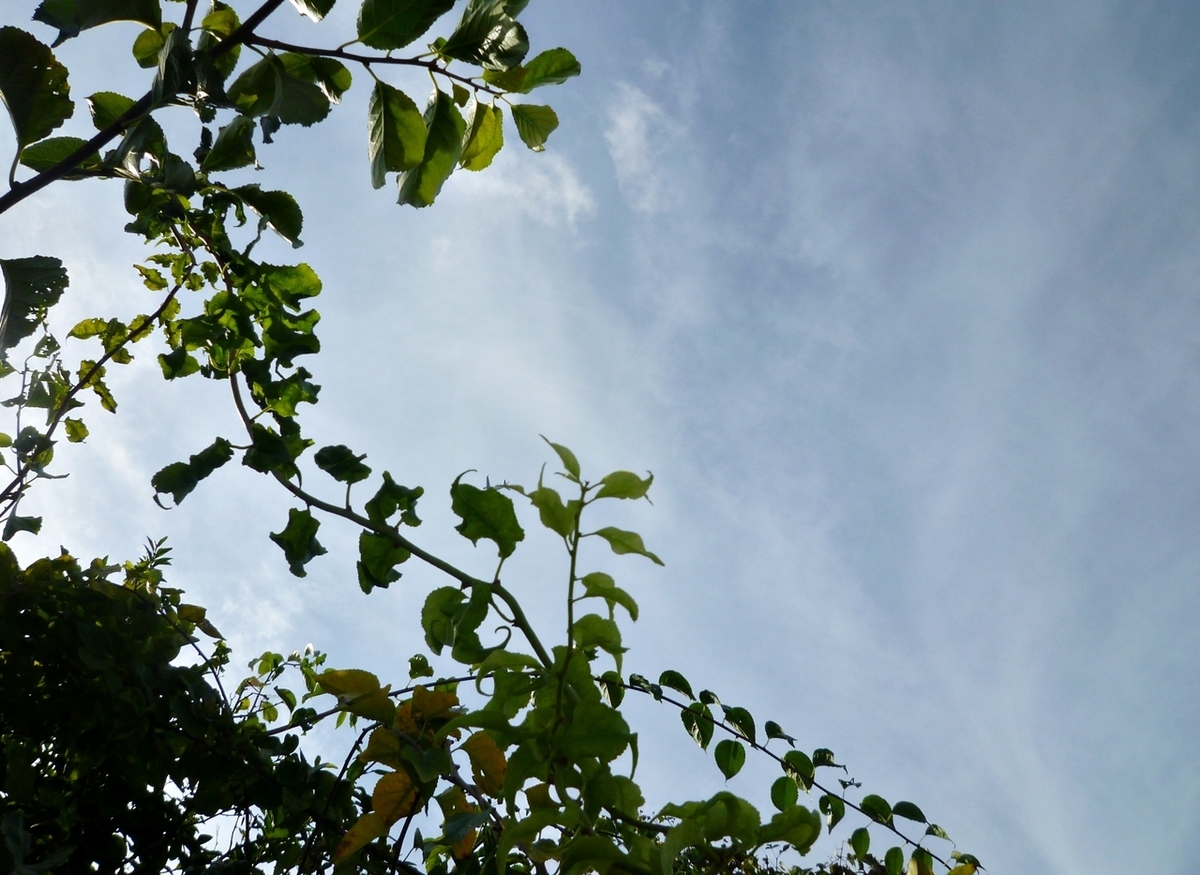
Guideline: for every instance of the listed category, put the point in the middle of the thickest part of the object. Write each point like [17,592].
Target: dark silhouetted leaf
[298,540]
[340,463]
[486,513]
[393,24]
[34,86]
[730,756]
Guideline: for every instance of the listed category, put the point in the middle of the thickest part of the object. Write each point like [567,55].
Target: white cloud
[641,138]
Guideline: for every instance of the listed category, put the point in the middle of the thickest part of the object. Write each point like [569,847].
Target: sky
[898,302]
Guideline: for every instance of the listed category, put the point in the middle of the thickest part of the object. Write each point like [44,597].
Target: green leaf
[393,497]
[108,106]
[833,808]
[823,756]
[595,730]
[393,24]
[277,208]
[328,74]
[419,667]
[921,862]
[396,132]
[566,456]
[32,286]
[774,730]
[534,124]
[784,793]
[44,154]
[624,484]
[437,616]
[72,16]
[797,764]
[592,630]
[485,137]
[860,842]
[444,124]
[281,87]
[675,681]
[697,720]
[180,478]
[233,147]
[340,463]
[551,67]
[893,861]
[612,688]
[486,513]
[149,45]
[623,542]
[876,808]
[730,756]
[741,720]
[379,556]
[14,524]
[556,516]
[797,826]
[909,811]
[934,830]
[33,85]
[600,585]
[314,9]
[298,540]
[488,36]
[77,432]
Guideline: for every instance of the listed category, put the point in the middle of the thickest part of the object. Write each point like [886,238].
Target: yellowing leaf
[369,827]
[383,747]
[395,797]
[487,762]
[348,682]
[374,705]
[964,869]
[431,704]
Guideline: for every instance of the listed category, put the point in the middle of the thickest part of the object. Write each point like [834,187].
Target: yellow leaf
[383,747]
[348,683]
[538,796]
[431,704]
[963,869]
[369,827]
[487,762]
[404,722]
[374,705]
[395,797]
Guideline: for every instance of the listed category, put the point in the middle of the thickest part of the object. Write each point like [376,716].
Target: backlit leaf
[676,681]
[876,808]
[623,542]
[420,186]
[797,764]
[487,762]
[730,756]
[72,16]
[393,24]
[893,862]
[368,828]
[340,463]
[180,478]
[396,132]
[600,585]
[774,730]
[624,484]
[566,457]
[378,558]
[278,208]
[833,808]
[486,513]
[33,85]
[741,720]
[697,719]
[31,287]
[314,9]
[107,106]
[484,138]
[908,811]
[44,154]
[534,124]
[77,432]
[860,842]
[488,36]
[784,793]
[298,540]
[395,796]
[596,730]
[233,147]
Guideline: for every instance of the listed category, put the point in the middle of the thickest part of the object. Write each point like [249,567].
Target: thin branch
[399,540]
[368,60]
[329,800]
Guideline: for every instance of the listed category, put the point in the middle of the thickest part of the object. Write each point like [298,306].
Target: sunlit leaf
[534,124]
[860,842]
[676,681]
[420,186]
[278,208]
[876,808]
[484,138]
[233,147]
[487,762]
[396,132]
[368,828]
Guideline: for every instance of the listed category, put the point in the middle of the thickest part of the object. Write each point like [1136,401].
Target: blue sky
[898,302]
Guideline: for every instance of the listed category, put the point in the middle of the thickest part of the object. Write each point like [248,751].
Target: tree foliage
[119,754]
